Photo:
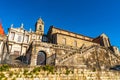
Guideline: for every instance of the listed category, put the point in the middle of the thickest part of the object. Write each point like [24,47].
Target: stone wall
[70,41]
[59,74]
[94,56]
[57,30]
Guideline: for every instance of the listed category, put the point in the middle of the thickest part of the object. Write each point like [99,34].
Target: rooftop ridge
[70,32]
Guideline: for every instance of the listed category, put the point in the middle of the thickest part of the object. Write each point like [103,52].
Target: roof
[68,31]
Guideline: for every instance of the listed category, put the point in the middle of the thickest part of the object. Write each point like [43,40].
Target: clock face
[41,58]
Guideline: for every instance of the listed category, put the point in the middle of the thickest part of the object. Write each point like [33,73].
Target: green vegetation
[44,72]
[2,76]
[4,67]
[36,69]
[48,68]
[25,72]
[94,69]
[68,71]
[11,73]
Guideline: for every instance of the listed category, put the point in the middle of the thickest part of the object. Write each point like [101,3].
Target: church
[59,48]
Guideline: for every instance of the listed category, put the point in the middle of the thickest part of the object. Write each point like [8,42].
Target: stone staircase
[66,57]
[88,48]
[106,59]
[71,54]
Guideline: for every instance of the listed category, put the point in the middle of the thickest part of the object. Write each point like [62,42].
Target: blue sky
[87,17]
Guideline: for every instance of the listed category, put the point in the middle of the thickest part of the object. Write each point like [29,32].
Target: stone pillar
[33,57]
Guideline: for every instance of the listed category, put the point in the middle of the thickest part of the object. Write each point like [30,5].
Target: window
[12,35]
[19,38]
[26,38]
[44,39]
[40,27]
[75,43]
[64,41]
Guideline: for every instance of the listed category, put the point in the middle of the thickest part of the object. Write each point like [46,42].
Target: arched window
[40,27]
[12,35]
[41,58]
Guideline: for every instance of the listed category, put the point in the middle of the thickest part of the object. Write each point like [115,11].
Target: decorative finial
[11,25]
[30,30]
[22,25]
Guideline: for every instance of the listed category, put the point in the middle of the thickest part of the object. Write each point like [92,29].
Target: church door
[41,58]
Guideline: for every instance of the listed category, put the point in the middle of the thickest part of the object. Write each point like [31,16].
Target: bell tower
[39,27]
[105,40]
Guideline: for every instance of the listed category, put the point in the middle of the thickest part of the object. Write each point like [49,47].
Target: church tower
[105,40]
[39,27]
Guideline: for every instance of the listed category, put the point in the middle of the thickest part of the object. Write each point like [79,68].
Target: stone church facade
[60,47]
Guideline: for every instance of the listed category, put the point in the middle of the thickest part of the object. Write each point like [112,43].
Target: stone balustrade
[56,46]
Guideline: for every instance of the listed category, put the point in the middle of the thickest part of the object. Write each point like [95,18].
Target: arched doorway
[41,58]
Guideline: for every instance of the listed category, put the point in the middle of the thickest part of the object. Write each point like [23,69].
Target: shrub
[37,69]
[4,67]
[67,72]
[10,74]
[48,68]
[2,76]
[25,72]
